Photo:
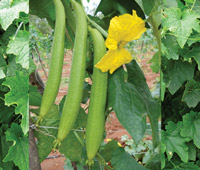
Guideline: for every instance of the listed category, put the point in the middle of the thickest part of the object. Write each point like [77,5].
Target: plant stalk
[98,27]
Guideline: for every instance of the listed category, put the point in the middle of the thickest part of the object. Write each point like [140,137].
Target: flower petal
[124,28]
[113,59]
[111,44]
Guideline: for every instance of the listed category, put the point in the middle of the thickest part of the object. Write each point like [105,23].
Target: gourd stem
[78,137]
[98,27]
[153,122]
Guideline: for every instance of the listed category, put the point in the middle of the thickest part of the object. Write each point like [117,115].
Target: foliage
[141,151]
[14,64]
[41,38]
[132,101]
[180,85]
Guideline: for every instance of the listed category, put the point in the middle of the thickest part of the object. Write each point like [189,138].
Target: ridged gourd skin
[96,112]
[55,72]
[69,15]
[75,91]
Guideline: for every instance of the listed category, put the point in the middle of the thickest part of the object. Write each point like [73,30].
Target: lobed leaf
[181,23]
[18,95]
[175,142]
[19,46]
[9,11]
[191,127]
[178,72]
[19,151]
[191,93]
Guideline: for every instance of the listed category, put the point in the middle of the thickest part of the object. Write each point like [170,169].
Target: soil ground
[114,129]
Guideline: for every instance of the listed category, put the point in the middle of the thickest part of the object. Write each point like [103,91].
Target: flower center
[121,44]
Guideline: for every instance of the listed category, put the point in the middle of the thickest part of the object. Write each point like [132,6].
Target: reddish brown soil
[114,129]
[53,163]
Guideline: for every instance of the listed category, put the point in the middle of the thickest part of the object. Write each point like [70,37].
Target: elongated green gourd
[69,15]
[55,72]
[75,91]
[96,118]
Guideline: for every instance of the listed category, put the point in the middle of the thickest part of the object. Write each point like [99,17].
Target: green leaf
[61,104]
[154,162]
[106,7]
[181,23]
[9,11]
[148,6]
[80,166]
[32,66]
[174,141]
[6,113]
[46,136]
[4,147]
[193,53]
[193,38]
[3,64]
[13,66]
[43,9]
[163,149]
[191,127]
[35,97]
[137,79]
[189,1]
[178,72]
[69,39]
[71,147]
[162,87]
[19,46]
[172,47]
[81,120]
[128,105]
[97,165]
[191,94]
[86,92]
[187,166]
[170,4]
[192,151]
[68,165]
[18,95]
[132,100]
[9,33]
[121,159]
[108,150]
[117,7]
[3,89]
[2,74]
[196,7]
[19,151]
[155,63]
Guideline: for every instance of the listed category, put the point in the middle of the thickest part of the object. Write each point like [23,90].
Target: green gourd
[55,72]
[96,111]
[75,91]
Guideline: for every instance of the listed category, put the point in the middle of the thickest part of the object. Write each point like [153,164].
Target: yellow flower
[122,30]
[113,59]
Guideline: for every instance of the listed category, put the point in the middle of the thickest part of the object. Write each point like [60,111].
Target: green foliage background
[180,87]
[14,65]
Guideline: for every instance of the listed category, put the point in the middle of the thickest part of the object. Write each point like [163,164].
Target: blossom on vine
[122,30]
